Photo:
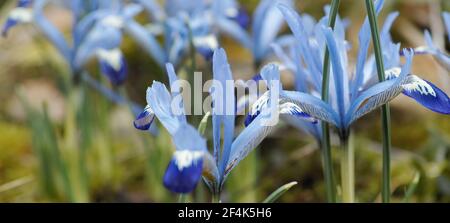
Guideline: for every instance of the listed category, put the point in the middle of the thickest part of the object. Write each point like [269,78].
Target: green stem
[386,116]
[325,144]
[348,170]
[215,197]
[182,199]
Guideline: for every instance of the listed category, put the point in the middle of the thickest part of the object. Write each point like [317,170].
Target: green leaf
[279,192]
[411,188]
[203,123]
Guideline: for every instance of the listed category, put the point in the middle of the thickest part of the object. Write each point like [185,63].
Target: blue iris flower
[191,159]
[21,14]
[351,98]
[267,23]
[430,48]
[181,24]
[97,32]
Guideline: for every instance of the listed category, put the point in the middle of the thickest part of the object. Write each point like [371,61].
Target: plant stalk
[348,170]
[325,144]
[215,197]
[385,111]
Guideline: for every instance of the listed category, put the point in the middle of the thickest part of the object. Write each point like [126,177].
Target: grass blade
[411,188]
[279,192]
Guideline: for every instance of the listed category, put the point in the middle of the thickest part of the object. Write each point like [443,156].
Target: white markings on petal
[414,83]
[419,85]
[231,12]
[209,41]
[393,73]
[286,107]
[112,57]
[185,158]
[113,21]
[260,104]
[21,14]
[289,108]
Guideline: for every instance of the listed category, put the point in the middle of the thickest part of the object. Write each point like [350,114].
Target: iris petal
[17,16]
[285,108]
[184,171]
[7,26]
[427,94]
[113,65]
[242,18]
[424,92]
[290,108]
[206,45]
[24,3]
[145,119]
[159,99]
[223,106]
[256,108]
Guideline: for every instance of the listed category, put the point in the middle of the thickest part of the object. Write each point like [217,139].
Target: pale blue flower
[96,32]
[267,23]
[347,101]
[184,170]
[180,24]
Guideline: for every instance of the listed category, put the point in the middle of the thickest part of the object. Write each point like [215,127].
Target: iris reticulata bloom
[352,102]
[266,24]
[183,172]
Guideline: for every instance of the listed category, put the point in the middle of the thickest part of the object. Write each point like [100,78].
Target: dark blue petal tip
[250,118]
[184,171]
[144,120]
[428,95]
[206,52]
[116,75]
[242,18]
[8,25]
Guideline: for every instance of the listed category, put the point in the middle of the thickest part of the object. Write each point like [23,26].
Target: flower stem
[348,170]
[182,198]
[386,116]
[215,197]
[325,144]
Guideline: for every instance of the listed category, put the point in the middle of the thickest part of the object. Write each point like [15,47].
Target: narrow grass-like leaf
[411,188]
[279,192]
[203,123]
